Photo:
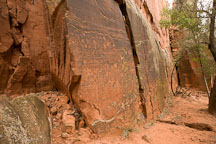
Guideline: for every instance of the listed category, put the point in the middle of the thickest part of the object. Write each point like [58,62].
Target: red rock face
[151,10]
[62,56]
[188,78]
[151,68]
[24,47]
[103,82]
[111,58]
[6,41]
[190,74]
[189,71]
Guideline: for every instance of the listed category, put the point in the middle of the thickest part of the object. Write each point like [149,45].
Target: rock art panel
[151,69]
[104,83]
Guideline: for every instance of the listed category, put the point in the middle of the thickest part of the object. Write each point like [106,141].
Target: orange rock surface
[111,58]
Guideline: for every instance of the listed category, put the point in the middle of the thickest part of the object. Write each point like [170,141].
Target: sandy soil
[184,121]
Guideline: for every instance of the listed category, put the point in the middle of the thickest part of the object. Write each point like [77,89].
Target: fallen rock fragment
[146,138]
[68,119]
[65,135]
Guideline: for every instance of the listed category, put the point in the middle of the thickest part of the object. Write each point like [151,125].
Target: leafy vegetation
[195,22]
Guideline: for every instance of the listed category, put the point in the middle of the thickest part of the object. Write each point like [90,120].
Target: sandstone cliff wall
[189,69]
[111,57]
[24,61]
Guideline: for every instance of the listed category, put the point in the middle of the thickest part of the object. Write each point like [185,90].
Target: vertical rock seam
[122,7]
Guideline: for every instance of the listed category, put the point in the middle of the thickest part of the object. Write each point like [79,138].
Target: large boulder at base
[24,120]
[11,128]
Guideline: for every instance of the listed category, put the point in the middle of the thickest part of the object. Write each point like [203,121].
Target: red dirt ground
[184,121]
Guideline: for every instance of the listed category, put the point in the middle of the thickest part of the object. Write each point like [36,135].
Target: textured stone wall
[111,57]
[24,43]
[188,69]
[152,10]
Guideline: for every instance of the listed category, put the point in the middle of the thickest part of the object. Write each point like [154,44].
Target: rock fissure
[73,88]
[55,13]
[19,48]
[152,106]
[135,56]
[97,109]
[148,12]
[122,108]
[74,99]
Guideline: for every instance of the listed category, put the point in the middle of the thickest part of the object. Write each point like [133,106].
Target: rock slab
[107,90]
[150,63]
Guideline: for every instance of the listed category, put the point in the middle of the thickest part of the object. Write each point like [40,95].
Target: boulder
[68,119]
[11,128]
[24,120]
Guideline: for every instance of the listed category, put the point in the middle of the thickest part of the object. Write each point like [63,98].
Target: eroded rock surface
[24,120]
[151,70]
[11,129]
[24,44]
[107,90]
[190,75]
[106,59]
[101,53]
[189,68]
